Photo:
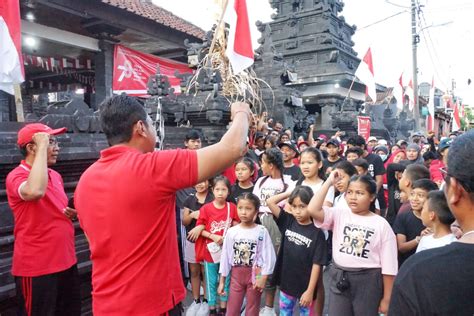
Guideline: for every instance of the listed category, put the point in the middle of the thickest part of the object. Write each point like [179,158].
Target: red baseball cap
[25,135]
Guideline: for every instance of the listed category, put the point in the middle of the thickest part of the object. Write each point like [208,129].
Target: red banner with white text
[363,126]
[133,68]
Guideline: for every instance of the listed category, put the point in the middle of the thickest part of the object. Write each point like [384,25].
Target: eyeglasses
[52,142]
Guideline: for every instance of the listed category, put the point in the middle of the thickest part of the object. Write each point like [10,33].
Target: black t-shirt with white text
[293,171]
[301,247]
[193,205]
[377,168]
[394,197]
[409,225]
[436,281]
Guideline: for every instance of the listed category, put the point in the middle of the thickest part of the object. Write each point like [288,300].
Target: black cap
[332,141]
[291,146]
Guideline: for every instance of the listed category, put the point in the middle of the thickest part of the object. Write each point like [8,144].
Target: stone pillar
[104,64]
[5,109]
[326,120]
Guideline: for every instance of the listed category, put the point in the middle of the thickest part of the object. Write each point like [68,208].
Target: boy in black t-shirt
[290,152]
[408,226]
[332,148]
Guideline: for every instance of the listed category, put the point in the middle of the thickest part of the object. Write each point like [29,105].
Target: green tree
[468,119]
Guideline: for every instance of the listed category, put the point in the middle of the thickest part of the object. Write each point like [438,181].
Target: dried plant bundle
[245,86]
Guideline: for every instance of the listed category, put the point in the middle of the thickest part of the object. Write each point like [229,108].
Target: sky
[446,28]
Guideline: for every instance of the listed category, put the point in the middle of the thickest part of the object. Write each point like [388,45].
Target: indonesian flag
[456,119]
[365,73]
[431,107]
[410,93]
[11,64]
[239,44]
[397,92]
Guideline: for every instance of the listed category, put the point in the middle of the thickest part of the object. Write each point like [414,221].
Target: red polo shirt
[126,206]
[44,236]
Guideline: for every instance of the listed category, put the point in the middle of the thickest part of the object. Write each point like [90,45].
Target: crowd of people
[261,216]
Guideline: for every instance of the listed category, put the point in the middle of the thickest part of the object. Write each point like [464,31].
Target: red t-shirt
[126,206]
[215,220]
[44,236]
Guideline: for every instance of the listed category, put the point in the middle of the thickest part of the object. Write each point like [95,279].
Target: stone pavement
[189,298]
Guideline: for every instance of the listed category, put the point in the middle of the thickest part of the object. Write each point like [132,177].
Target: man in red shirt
[126,206]
[44,258]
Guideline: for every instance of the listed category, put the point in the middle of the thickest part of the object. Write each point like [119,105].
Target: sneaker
[203,309]
[267,311]
[193,309]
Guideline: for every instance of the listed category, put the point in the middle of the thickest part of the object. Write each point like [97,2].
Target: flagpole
[349,91]
[18,103]
[213,43]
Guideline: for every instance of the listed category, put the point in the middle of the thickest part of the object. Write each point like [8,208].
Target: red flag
[11,63]
[133,68]
[365,73]
[239,46]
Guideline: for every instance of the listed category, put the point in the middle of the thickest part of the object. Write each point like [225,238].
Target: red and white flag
[11,64]
[398,93]
[456,126]
[239,44]
[365,73]
[431,107]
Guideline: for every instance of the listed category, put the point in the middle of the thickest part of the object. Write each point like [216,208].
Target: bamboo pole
[18,103]
[219,25]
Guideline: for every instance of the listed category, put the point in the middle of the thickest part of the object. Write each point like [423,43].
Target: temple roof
[158,14]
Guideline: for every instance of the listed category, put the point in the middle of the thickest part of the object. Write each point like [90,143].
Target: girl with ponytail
[272,183]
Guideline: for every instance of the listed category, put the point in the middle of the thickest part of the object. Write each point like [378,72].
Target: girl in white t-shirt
[311,164]
[248,252]
[364,249]
[273,182]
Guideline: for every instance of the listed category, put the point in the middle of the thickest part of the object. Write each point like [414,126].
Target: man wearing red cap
[44,259]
